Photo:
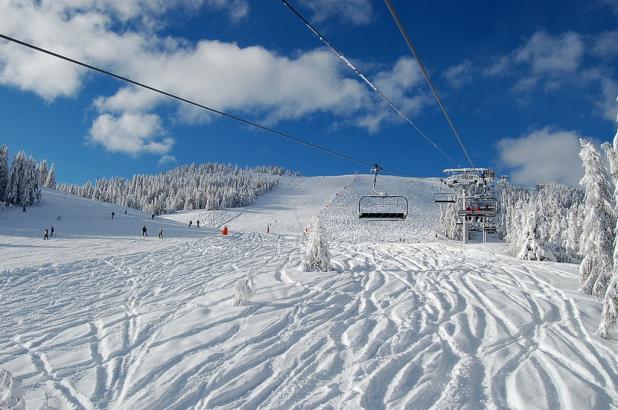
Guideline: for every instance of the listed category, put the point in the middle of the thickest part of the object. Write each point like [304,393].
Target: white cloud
[401,86]
[612,4]
[236,9]
[499,66]
[607,103]
[252,79]
[130,133]
[551,55]
[353,11]
[545,155]
[555,62]
[131,99]
[606,44]
[545,59]
[460,74]
[249,80]
[166,159]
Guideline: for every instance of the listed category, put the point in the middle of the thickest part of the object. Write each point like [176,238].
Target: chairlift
[380,206]
[480,206]
[444,197]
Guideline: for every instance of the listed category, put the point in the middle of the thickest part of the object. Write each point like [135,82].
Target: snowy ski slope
[124,322]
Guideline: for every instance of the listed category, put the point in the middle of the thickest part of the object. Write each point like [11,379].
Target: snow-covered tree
[10,392]
[556,226]
[316,257]
[50,182]
[532,248]
[4,173]
[244,289]
[609,314]
[43,171]
[573,232]
[448,222]
[597,230]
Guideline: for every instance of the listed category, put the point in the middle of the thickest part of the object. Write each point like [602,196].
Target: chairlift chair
[444,197]
[380,206]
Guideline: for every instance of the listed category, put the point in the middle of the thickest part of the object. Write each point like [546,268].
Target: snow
[103,318]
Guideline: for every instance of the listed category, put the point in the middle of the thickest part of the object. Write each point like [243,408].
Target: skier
[153,216]
[198,223]
[161,233]
[144,231]
[46,235]
[125,211]
[52,232]
[24,209]
[190,223]
[113,215]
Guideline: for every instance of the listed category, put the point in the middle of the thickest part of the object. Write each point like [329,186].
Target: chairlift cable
[399,24]
[363,77]
[187,101]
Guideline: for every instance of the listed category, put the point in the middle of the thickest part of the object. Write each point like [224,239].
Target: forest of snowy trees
[204,186]
[544,223]
[555,222]
[22,179]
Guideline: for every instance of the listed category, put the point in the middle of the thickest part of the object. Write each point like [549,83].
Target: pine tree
[317,256]
[532,248]
[4,173]
[43,171]
[609,314]
[597,234]
[16,180]
[50,182]
[573,232]
[448,222]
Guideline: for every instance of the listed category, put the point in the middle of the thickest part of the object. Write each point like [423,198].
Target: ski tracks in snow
[397,326]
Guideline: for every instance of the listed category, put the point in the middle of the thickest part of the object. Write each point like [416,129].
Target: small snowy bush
[609,315]
[244,289]
[316,257]
[534,251]
[10,392]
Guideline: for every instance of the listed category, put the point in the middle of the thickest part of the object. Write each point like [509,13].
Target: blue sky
[522,81]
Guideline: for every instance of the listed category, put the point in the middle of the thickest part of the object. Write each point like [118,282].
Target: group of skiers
[46,233]
[145,232]
[191,223]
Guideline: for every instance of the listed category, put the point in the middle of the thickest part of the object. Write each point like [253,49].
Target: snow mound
[10,392]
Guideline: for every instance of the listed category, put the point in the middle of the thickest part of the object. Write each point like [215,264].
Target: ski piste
[100,317]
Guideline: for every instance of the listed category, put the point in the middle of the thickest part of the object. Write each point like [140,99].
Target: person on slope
[190,223]
[153,216]
[161,233]
[198,223]
[125,211]
[46,234]
[144,231]
[113,215]
[52,232]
